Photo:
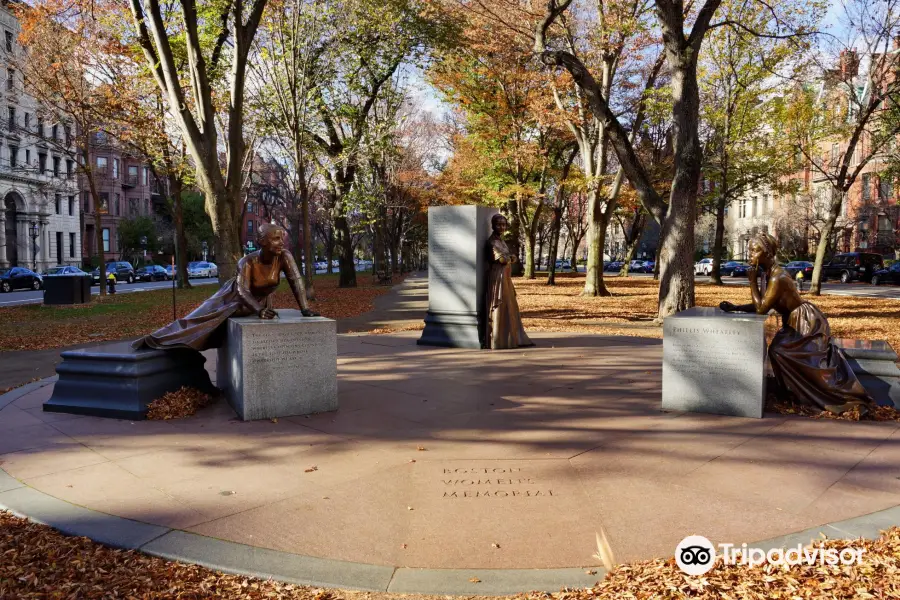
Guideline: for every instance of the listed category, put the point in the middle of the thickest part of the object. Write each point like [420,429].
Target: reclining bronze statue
[250,292]
[804,359]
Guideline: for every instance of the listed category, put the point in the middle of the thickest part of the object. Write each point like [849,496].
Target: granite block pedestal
[714,362]
[279,367]
[114,380]
[457,244]
[875,364]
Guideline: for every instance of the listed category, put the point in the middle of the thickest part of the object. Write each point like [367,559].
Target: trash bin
[67,289]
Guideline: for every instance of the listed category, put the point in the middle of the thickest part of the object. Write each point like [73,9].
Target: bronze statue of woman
[503,326]
[250,292]
[803,357]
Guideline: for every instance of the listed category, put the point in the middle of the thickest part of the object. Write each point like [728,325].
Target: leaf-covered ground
[39,327]
[40,563]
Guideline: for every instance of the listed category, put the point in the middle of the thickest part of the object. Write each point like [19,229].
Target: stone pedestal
[714,362]
[280,367]
[875,364]
[457,244]
[114,380]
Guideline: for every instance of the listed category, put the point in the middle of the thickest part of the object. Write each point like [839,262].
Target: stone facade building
[40,220]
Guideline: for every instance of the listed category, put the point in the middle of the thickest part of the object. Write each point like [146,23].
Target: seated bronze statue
[250,292]
[503,327]
[804,359]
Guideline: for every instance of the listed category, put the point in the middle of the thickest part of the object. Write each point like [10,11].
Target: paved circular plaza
[459,459]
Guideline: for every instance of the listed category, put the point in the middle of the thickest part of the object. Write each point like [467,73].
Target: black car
[740,270]
[19,278]
[615,265]
[853,266]
[889,275]
[729,267]
[800,266]
[152,273]
[123,271]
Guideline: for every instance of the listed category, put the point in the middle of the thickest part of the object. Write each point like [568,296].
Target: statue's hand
[727,306]
[267,313]
[753,272]
[308,313]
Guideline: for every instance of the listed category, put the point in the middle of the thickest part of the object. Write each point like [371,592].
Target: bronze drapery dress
[807,363]
[244,295]
[503,323]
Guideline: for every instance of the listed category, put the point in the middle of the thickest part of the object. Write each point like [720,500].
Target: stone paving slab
[373,484]
[492,582]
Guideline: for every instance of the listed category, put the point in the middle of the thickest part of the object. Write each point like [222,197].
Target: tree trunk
[596,234]
[822,249]
[676,285]
[308,268]
[513,237]
[555,227]
[637,230]
[720,238]
[542,237]
[344,243]
[181,274]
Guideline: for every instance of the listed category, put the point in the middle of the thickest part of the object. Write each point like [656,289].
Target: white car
[704,267]
[202,269]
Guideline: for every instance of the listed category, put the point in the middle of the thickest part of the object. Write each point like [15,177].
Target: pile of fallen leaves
[879,413]
[39,327]
[39,562]
[177,405]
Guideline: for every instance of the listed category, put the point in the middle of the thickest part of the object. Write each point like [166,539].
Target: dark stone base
[451,330]
[116,381]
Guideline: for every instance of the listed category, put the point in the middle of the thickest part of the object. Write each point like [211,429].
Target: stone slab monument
[117,381]
[271,368]
[714,362]
[457,245]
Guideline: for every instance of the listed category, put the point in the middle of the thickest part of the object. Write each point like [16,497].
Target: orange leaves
[177,405]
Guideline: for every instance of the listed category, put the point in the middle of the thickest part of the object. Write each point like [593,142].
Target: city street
[29,297]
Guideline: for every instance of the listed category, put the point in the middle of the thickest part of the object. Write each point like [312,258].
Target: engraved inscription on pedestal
[714,362]
[278,368]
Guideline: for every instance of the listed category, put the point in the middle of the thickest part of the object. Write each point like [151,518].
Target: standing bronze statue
[250,292]
[803,357]
[503,323]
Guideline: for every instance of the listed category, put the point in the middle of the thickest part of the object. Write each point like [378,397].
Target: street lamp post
[35,232]
[205,249]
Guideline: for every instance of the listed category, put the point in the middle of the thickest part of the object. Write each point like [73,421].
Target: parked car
[563,265]
[637,266]
[320,265]
[740,270]
[152,273]
[703,267]
[122,270]
[729,267]
[613,266]
[170,272]
[889,275]
[649,266]
[63,270]
[853,266]
[202,268]
[20,278]
[800,266]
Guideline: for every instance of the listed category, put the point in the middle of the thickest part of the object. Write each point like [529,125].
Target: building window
[132,175]
[885,189]
[27,157]
[71,206]
[11,117]
[866,190]
[105,234]
[68,131]
[13,157]
[87,202]
[58,202]
[102,165]
[27,121]
[55,132]
[56,164]
[117,208]
[133,207]
[40,127]
[249,228]
[9,41]
[742,209]
[71,245]
[70,169]
[147,206]
[104,202]
[146,175]
[249,207]
[42,163]
[10,80]
[115,168]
